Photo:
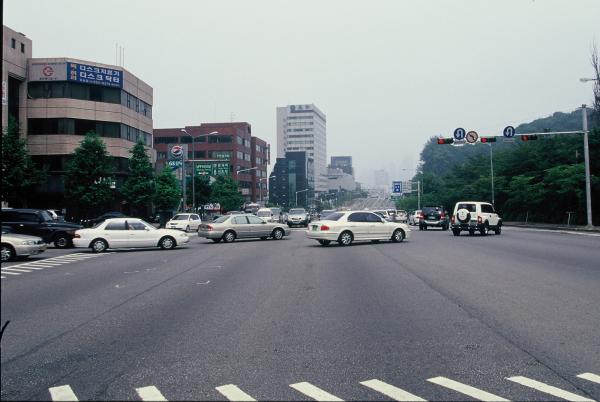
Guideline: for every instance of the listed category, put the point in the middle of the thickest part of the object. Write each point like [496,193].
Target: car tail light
[442,216]
[77,236]
[208,227]
[421,216]
[453,218]
[479,220]
[324,227]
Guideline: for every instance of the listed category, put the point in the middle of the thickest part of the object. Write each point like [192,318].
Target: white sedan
[348,226]
[184,222]
[127,233]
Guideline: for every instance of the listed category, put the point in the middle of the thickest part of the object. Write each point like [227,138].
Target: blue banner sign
[94,75]
[397,187]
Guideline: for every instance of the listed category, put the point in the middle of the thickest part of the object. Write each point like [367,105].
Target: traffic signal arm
[528,137]
[442,141]
[488,139]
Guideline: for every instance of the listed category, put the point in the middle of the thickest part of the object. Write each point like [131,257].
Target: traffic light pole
[586,153]
[492,171]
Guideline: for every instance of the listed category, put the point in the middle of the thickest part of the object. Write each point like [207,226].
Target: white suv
[475,215]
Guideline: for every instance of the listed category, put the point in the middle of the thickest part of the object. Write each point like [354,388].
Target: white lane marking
[10,273]
[2,277]
[233,393]
[555,231]
[62,393]
[35,268]
[590,377]
[548,389]
[15,269]
[150,393]
[395,393]
[39,264]
[313,392]
[465,389]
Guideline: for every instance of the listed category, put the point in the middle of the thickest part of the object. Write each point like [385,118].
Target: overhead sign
[213,168]
[472,137]
[95,75]
[47,71]
[509,131]
[397,187]
[459,134]
[177,151]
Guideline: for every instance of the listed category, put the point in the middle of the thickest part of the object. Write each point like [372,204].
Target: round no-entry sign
[472,137]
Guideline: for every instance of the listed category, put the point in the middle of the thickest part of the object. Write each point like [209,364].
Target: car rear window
[468,207]
[222,219]
[428,210]
[181,217]
[335,216]
[297,211]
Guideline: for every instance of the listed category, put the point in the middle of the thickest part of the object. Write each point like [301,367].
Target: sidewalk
[552,226]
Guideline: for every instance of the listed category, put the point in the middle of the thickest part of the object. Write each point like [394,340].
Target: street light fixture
[246,170]
[193,168]
[301,191]
[588,79]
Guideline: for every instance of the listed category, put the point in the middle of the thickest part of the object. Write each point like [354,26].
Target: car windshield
[46,217]
[221,219]
[297,211]
[181,217]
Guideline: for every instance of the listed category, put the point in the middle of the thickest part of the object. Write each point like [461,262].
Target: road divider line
[150,393]
[590,377]
[62,393]
[15,269]
[465,389]
[548,389]
[314,392]
[395,393]
[233,393]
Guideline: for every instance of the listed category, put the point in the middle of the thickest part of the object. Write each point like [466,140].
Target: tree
[19,174]
[167,193]
[88,177]
[203,190]
[139,188]
[225,192]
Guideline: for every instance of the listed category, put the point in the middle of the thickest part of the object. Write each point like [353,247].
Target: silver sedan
[17,245]
[231,227]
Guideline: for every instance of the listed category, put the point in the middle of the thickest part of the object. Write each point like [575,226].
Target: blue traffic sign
[459,134]
[509,131]
[397,187]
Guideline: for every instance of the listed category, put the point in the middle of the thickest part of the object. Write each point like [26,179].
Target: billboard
[95,75]
[213,168]
[40,71]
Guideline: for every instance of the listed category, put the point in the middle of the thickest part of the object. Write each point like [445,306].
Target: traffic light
[488,139]
[442,141]
[529,137]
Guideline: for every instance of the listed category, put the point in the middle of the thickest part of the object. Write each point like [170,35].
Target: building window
[22,48]
[240,155]
[13,43]
[161,155]
[186,140]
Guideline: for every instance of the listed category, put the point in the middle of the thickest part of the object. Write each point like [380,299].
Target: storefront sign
[95,75]
[47,71]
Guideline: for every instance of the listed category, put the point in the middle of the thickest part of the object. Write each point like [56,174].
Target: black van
[39,222]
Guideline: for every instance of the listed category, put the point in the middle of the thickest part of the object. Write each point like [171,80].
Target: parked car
[277,215]
[127,233]
[228,228]
[415,218]
[433,216]
[265,213]
[38,222]
[475,216]
[298,217]
[88,223]
[345,227]
[19,246]
[185,222]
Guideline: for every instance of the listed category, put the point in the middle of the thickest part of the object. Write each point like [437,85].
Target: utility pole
[183,172]
[492,171]
[586,152]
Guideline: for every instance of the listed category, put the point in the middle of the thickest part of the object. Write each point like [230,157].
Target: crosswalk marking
[62,393]
[548,389]
[590,377]
[15,269]
[48,263]
[391,391]
[40,263]
[150,393]
[233,393]
[313,392]
[35,268]
[10,273]
[465,389]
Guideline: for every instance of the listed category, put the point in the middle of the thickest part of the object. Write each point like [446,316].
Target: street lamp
[301,191]
[246,170]
[193,168]
[260,185]
[586,153]
[588,79]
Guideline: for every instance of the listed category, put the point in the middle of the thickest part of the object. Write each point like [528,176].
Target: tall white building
[304,128]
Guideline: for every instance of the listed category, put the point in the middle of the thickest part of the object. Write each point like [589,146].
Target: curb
[594,229]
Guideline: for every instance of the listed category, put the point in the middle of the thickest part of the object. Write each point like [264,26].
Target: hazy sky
[388,74]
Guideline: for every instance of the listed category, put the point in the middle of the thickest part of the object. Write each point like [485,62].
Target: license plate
[432,217]
[314,227]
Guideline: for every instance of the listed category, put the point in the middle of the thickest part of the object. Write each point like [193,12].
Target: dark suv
[433,216]
[38,222]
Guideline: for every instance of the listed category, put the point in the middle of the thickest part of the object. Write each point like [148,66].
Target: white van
[265,213]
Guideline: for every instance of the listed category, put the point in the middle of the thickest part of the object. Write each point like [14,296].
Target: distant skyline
[388,74]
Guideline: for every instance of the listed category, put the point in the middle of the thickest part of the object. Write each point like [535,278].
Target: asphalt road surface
[515,316]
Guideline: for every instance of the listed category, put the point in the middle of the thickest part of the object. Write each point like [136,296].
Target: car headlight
[28,242]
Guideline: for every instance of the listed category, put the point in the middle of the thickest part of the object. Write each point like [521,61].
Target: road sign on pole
[508,132]
[175,163]
[459,134]
[472,137]
[397,187]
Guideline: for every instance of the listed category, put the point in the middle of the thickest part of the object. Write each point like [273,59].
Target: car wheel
[216,240]
[278,234]
[187,229]
[398,236]
[167,243]
[420,227]
[62,241]
[99,245]
[345,238]
[229,236]
[8,253]
[471,232]
[324,242]
[498,229]
[456,232]
[484,229]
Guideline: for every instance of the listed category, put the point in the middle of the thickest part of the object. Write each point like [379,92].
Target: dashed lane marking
[395,393]
[590,377]
[466,389]
[62,393]
[233,393]
[548,389]
[150,393]
[314,392]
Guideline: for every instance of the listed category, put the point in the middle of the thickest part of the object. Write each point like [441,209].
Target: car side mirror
[264,223]
[147,229]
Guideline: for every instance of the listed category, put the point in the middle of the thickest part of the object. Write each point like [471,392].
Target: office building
[292,181]
[344,163]
[304,128]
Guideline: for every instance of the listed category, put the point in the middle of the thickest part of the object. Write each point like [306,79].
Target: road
[437,317]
